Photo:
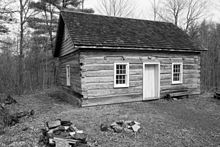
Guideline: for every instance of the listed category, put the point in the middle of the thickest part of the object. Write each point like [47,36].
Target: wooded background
[28,30]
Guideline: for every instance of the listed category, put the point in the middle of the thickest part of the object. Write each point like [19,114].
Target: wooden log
[165,71]
[112,99]
[165,76]
[143,54]
[191,81]
[109,79]
[95,93]
[132,59]
[189,76]
[109,85]
[191,66]
[169,88]
[191,71]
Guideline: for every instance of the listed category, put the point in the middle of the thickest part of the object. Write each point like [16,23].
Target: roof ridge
[75,11]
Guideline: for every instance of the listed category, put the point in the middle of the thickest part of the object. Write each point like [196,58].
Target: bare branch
[122,8]
[183,13]
[194,9]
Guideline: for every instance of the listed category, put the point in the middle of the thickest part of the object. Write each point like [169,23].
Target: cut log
[63,142]
[53,124]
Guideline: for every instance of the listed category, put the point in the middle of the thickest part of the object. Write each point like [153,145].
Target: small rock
[137,123]
[71,129]
[104,127]
[79,131]
[32,112]
[25,129]
[72,133]
[128,130]
[66,127]
[51,141]
[135,127]
[113,124]
[120,122]
[129,122]
[117,129]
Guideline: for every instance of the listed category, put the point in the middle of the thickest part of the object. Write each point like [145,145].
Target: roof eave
[135,48]
[59,36]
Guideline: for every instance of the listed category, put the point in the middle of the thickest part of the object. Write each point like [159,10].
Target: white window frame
[127,76]
[68,75]
[181,73]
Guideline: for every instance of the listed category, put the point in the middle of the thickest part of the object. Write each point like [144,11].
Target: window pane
[178,70]
[123,79]
[176,77]
[123,71]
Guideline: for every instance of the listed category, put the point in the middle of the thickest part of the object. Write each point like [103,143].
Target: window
[121,75]
[177,73]
[68,75]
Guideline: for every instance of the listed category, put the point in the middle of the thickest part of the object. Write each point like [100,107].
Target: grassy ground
[187,122]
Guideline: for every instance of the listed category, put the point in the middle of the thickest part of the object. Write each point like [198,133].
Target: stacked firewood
[62,134]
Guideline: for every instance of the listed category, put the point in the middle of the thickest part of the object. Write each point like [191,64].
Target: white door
[151,81]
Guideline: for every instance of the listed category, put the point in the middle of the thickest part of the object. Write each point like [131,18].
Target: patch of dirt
[63,97]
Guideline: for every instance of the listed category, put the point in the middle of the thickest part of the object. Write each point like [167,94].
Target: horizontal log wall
[75,81]
[97,72]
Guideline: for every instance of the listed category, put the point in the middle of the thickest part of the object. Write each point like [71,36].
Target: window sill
[177,83]
[121,86]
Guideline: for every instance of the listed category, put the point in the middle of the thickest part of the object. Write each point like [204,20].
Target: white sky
[143,9]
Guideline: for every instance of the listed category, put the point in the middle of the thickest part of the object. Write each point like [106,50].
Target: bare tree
[183,13]
[83,4]
[194,10]
[155,7]
[24,13]
[172,10]
[121,8]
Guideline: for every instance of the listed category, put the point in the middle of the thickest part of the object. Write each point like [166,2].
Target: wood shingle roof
[105,31]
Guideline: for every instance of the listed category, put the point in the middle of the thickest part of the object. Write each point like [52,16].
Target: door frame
[158,68]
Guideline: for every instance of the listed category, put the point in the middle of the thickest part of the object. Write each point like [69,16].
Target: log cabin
[105,60]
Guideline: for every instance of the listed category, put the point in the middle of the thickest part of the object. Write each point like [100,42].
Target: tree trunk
[21,50]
